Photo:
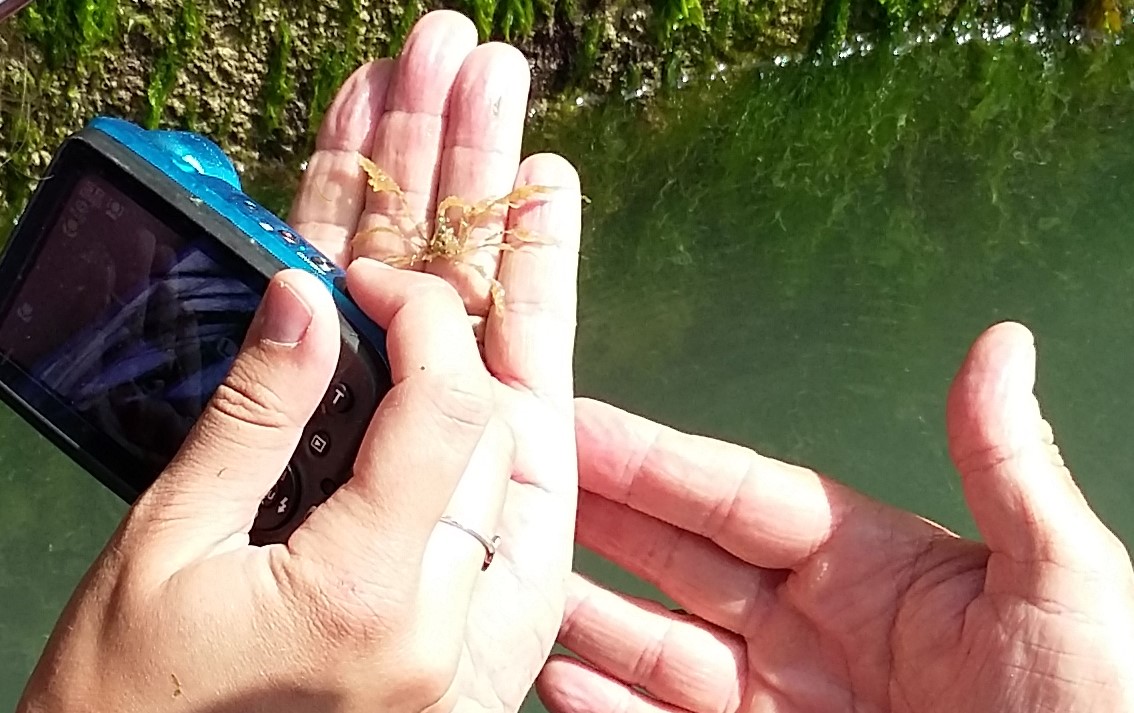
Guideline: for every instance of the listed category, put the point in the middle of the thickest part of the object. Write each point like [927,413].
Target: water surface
[797,259]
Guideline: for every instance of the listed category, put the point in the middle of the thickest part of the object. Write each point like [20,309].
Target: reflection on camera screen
[130,324]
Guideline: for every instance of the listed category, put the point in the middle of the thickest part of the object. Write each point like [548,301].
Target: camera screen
[125,322]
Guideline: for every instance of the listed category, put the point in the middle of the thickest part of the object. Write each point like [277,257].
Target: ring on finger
[489,545]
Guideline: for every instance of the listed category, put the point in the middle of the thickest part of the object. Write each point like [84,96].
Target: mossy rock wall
[256,75]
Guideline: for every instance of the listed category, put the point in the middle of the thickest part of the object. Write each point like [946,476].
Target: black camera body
[126,289]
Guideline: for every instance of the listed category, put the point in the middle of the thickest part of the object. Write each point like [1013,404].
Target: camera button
[319,443]
[280,503]
[322,263]
[340,399]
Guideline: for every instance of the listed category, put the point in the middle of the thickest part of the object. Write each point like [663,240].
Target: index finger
[332,193]
[424,432]
[767,513]
[530,335]
[409,136]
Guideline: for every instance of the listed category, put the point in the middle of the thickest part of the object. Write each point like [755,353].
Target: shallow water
[797,260]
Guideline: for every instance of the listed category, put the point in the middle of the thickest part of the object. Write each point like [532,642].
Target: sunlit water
[798,262]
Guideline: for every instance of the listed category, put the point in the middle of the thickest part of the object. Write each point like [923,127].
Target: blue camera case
[186,184]
[205,171]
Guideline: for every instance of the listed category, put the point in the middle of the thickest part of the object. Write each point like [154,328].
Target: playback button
[319,443]
[280,503]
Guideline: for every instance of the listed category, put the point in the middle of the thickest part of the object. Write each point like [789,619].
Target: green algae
[257,75]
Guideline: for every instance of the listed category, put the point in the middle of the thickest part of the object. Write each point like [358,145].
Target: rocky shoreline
[256,74]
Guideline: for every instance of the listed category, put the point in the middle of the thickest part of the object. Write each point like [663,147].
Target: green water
[798,259]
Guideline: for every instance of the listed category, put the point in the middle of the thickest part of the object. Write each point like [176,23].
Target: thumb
[1022,496]
[247,433]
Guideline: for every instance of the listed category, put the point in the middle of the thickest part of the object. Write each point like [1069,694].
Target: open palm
[800,595]
[446,119]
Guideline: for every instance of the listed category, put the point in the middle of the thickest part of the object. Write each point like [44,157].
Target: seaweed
[181,41]
[278,83]
[70,31]
[451,237]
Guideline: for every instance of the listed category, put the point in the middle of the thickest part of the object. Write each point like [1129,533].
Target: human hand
[444,119]
[803,595]
[364,608]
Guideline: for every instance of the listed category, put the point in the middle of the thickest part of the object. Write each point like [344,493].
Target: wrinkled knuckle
[251,402]
[984,461]
[463,400]
[562,314]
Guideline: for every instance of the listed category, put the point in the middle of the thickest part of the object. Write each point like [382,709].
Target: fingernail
[284,315]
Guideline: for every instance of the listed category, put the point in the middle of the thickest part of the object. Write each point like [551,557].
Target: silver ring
[489,545]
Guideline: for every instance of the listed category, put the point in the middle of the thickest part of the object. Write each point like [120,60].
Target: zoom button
[340,399]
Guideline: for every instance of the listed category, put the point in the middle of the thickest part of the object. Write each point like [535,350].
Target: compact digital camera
[126,289]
